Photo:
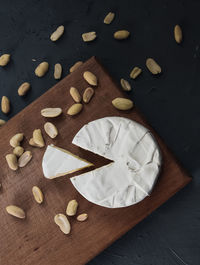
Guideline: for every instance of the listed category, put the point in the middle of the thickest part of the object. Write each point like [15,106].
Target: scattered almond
[89,36]
[37,194]
[153,67]
[12,161]
[121,34]
[5,105]
[16,139]
[178,34]
[87,95]
[32,143]
[82,217]
[57,71]
[16,211]
[109,18]
[24,159]
[72,208]
[62,221]
[50,129]
[75,94]
[90,78]
[18,151]
[135,72]
[75,109]
[23,89]
[41,69]
[75,66]
[122,103]
[57,33]
[125,84]
[38,138]
[2,122]
[4,59]
[51,112]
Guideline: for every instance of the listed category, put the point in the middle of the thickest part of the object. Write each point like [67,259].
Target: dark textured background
[170,102]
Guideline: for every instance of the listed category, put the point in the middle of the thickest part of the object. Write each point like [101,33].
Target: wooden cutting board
[37,240]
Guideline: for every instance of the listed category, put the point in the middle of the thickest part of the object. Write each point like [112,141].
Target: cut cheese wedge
[58,162]
[136,162]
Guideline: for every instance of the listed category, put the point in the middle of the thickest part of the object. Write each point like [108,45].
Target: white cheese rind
[57,162]
[137,160]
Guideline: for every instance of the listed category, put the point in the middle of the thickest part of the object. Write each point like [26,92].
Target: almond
[87,95]
[5,105]
[37,138]
[125,84]
[82,217]
[75,94]
[135,72]
[178,34]
[16,211]
[41,69]
[75,66]
[90,78]
[57,33]
[62,221]
[18,151]
[50,129]
[122,103]
[75,109]
[12,161]
[109,18]
[89,36]
[4,59]
[57,71]
[37,194]
[153,67]
[51,112]
[72,208]
[23,89]
[16,139]
[121,34]
[24,159]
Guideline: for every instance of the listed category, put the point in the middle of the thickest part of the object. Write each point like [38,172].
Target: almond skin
[153,67]
[121,34]
[5,105]
[88,94]
[75,94]
[75,109]
[122,103]
[90,78]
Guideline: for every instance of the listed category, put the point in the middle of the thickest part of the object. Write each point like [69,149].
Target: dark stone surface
[170,102]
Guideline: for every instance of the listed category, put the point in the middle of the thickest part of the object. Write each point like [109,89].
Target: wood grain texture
[37,240]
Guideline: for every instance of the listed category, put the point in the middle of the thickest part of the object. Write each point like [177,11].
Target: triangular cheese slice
[58,162]
[137,160]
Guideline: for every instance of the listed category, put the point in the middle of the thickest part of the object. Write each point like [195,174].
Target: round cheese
[136,162]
